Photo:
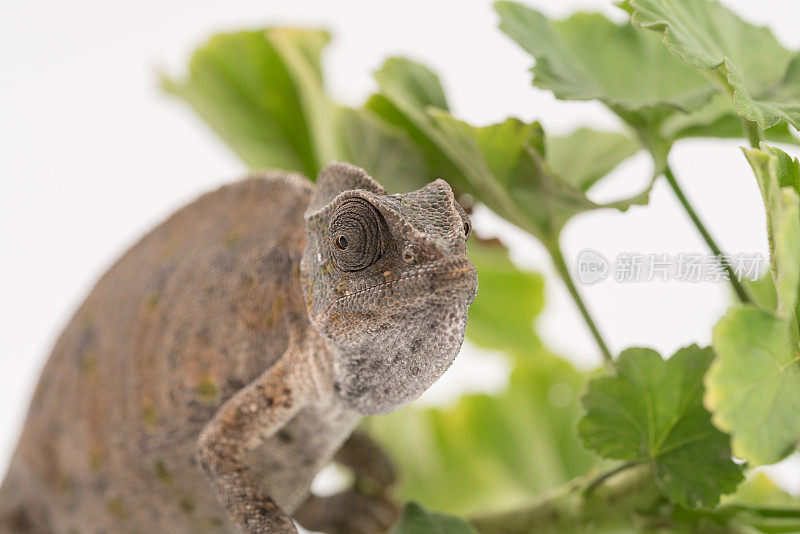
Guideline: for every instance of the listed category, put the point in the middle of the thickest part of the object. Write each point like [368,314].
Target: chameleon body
[227,356]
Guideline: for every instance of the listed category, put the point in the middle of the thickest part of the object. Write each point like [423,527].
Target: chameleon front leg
[240,425]
[367,460]
[366,507]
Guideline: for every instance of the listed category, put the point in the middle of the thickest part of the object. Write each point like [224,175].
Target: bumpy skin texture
[225,358]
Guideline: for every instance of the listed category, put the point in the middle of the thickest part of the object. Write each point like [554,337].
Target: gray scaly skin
[225,358]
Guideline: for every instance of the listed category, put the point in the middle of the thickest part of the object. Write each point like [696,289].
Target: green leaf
[417,520]
[718,118]
[753,387]
[384,151]
[491,452]
[764,76]
[762,291]
[501,318]
[778,178]
[262,92]
[407,90]
[631,70]
[410,85]
[760,490]
[631,73]
[651,410]
[585,156]
[501,164]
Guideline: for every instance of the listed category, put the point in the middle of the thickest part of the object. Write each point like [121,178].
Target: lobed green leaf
[651,410]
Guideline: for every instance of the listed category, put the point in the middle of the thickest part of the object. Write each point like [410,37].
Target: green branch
[741,292]
[753,132]
[554,249]
[571,510]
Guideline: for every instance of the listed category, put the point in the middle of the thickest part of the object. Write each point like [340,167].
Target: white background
[92,155]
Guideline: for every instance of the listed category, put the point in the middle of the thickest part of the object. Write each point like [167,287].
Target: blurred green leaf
[778,177]
[762,291]
[499,161]
[753,387]
[501,318]
[491,451]
[763,75]
[504,167]
[718,118]
[262,92]
[501,164]
[760,490]
[384,151]
[651,410]
[417,520]
[585,156]
[407,89]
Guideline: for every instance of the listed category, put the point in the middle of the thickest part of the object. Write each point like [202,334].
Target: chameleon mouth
[448,274]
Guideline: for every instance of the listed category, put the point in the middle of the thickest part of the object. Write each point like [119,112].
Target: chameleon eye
[467,228]
[356,237]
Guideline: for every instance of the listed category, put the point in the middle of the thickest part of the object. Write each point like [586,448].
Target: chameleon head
[388,283]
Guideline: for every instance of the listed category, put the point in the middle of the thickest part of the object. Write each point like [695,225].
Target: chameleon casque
[228,355]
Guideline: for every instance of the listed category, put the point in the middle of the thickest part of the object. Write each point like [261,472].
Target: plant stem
[602,477]
[558,260]
[609,509]
[737,285]
[753,132]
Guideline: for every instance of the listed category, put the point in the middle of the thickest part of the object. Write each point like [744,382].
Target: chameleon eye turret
[252,328]
[357,233]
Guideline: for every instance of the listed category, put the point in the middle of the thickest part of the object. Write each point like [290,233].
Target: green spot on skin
[214,522]
[186,504]
[95,460]
[88,362]
[150,416]
[161,472]
[276,311]
[233,237]
[65,483]
[87,319]
[207,390]
[152,301]
[117,507]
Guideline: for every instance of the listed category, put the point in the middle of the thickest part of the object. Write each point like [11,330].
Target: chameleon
[228,356]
